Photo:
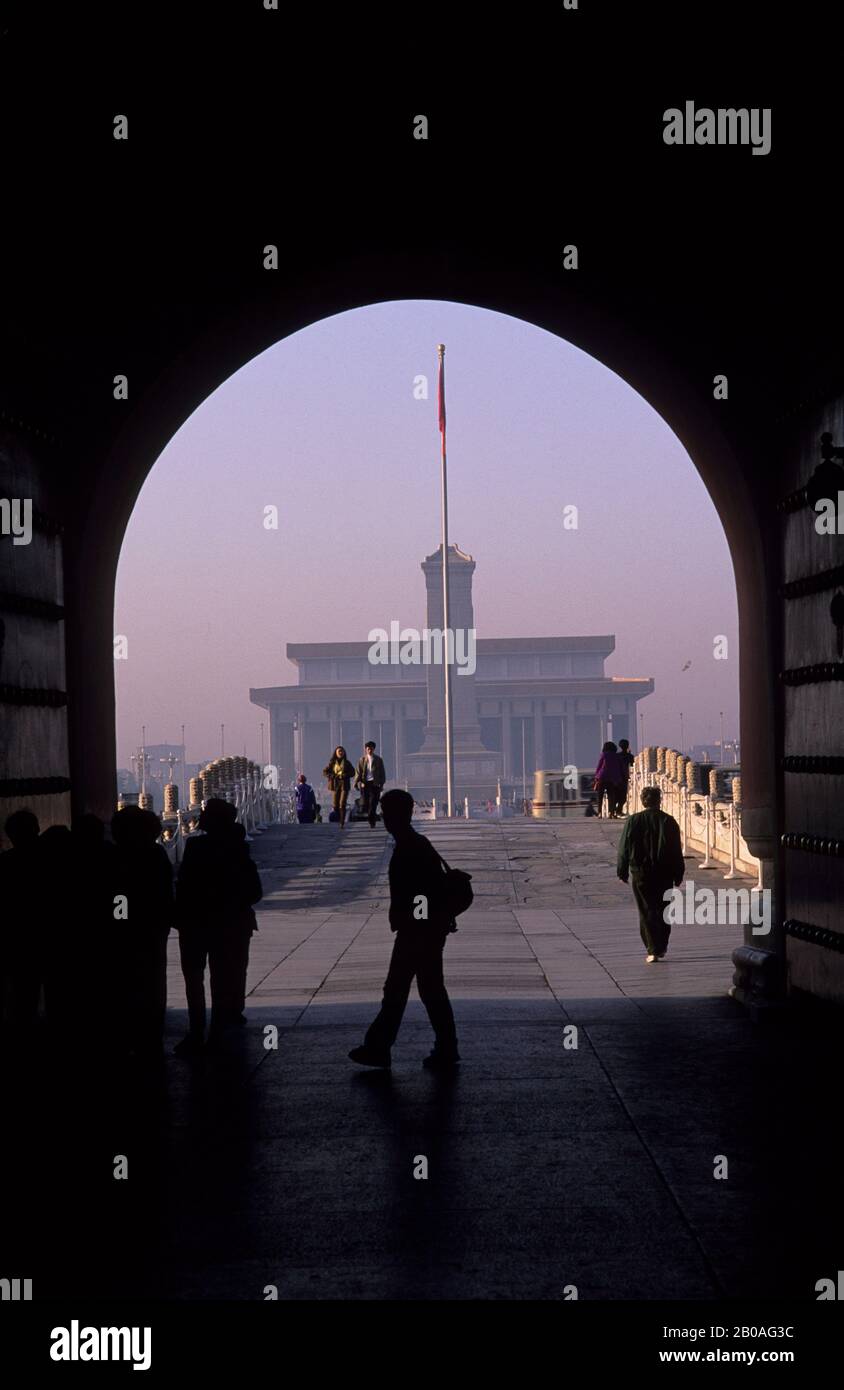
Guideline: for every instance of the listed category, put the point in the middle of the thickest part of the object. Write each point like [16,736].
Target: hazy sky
[325,427]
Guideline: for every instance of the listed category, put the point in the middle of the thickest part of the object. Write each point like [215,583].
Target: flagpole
[449,750]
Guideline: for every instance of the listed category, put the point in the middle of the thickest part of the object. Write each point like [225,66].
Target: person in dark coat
[59,933]
[142,914]
[93,863]
[21,883]
[370,776]
[338,773]
[626,759]
[650,854]
[609,776]
[305,801]
[216,889]
[421,924]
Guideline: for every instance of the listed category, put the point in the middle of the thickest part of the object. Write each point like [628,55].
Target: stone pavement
[548,1164]
[550,921]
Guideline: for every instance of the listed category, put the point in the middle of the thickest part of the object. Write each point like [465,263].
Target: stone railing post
[733,827]
[706,861]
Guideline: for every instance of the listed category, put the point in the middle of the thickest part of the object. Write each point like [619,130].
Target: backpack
[457,890]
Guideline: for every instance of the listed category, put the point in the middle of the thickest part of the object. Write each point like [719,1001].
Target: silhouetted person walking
[650,854]
[305,801]
[216,888]
[339,773]
[21,886]
[421,924]
[609,775]
[370,776]
[142,914]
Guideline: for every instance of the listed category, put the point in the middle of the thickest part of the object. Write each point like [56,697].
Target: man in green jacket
[651,854]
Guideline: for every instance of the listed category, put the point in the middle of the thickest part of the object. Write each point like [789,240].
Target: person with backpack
[650,853]
[425,898]
[305,801]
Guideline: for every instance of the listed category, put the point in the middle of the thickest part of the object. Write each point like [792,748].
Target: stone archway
[243,330]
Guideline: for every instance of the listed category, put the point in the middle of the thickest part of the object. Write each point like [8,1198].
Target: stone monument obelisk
[476,769]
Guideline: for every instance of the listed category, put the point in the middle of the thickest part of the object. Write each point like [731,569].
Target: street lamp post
[721,717]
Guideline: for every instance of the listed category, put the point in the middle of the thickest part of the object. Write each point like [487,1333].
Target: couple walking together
[369,775]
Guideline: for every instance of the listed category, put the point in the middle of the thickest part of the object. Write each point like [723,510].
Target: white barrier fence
[709,824]
[239,782]
[463,810]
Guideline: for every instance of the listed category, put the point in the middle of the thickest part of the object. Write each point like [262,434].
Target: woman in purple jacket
[305,801]
[609,777]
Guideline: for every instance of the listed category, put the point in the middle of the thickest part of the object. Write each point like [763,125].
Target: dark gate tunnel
[192,315]
[150,265]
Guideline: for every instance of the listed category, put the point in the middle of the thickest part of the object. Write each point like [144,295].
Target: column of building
[400,736]
[569,747]
[507,739]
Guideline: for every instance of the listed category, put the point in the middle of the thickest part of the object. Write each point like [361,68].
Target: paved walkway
[550,922]
[549,1164]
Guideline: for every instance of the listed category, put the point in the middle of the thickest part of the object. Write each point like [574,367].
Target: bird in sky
[687,665]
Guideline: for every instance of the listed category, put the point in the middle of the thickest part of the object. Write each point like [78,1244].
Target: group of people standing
[101,963]
[612,777]
[369,776]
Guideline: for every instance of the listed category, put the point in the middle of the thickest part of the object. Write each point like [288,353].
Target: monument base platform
[477,774]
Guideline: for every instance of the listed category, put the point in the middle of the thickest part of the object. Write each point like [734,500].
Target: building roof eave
[290,694]
[486,646]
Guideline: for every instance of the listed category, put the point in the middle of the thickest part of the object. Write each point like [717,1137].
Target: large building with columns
[531,702]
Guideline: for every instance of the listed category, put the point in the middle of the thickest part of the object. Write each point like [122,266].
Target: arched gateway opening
[540,733]
[239,322]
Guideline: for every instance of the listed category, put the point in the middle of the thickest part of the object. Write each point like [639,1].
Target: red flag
[441,395]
